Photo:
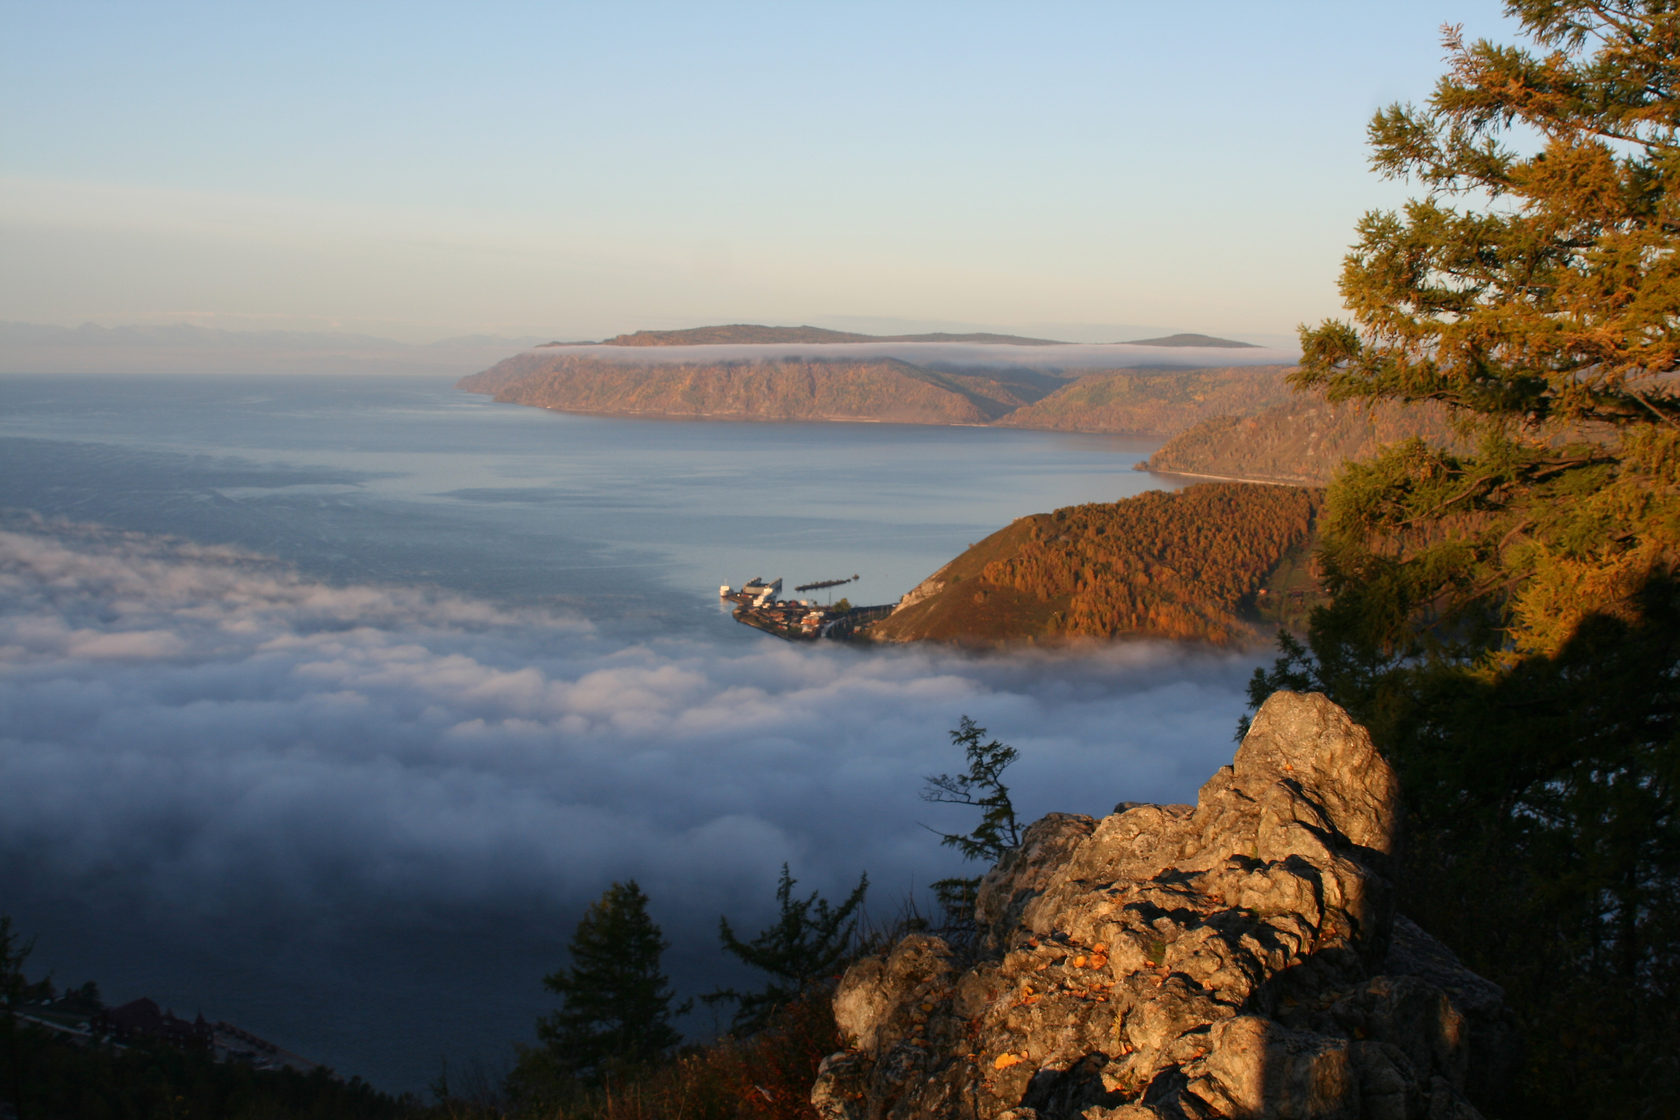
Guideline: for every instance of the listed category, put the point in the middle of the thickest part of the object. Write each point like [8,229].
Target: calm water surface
[623,520]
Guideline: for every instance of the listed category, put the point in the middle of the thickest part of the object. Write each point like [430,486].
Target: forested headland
[1220,563]
[1158,402]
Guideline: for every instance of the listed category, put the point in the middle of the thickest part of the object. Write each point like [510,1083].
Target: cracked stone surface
[1236,958]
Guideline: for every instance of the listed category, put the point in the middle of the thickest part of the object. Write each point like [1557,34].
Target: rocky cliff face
[1235,958]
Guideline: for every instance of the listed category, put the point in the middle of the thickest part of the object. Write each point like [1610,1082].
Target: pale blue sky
[573,170]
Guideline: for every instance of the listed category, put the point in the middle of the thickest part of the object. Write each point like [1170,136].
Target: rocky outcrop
[1236,958]
[927,589]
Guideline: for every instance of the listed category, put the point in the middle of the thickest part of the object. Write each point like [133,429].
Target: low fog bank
[1070,357]
[376,799]
[183,348]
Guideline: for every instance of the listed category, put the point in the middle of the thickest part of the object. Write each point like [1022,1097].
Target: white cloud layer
[207,735]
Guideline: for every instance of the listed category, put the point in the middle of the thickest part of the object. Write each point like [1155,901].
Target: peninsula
[1221,563]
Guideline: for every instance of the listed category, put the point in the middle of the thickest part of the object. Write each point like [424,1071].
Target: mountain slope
[1193,564]
[1153,401]
[1302,441]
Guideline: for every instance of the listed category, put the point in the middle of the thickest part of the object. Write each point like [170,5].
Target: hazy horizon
[33,348]
[577,172]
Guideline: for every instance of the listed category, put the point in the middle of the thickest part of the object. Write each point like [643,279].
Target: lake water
[382,478]
[330,703]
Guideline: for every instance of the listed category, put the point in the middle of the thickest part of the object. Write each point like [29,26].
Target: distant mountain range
[1144,402]
[188,348]
[743,372]
[750,333]
[1192,340]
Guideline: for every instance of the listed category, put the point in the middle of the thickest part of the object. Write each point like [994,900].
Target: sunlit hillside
[1207,563]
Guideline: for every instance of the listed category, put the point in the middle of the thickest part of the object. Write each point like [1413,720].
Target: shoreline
[1226,477]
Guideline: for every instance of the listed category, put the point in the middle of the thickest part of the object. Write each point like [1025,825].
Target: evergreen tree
[807,944]
[1507,621]
[998,832]
[617,1004]
[1536,291]
[14,990]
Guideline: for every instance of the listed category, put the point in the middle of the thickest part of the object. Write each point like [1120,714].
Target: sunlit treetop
[1537,274]
[1534,286]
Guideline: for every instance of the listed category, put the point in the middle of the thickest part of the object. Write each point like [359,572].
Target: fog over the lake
[180,348]
[327,703]
[206,737]
[204,721]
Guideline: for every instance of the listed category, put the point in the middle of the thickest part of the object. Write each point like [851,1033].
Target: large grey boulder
[1235,958]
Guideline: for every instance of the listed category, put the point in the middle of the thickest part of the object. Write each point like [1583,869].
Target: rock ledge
[1237,958]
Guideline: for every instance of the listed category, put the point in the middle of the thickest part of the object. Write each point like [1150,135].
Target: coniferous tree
[807,944]
[998,832]
[14,989]
[1507,620]
[616,1002]
[1535,289]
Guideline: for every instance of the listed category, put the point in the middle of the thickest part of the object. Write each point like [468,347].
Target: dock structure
[755,591]
[797,619]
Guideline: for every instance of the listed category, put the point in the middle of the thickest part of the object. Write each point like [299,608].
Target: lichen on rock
[1235,958]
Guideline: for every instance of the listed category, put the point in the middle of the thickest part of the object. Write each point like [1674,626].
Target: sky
[420,171]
